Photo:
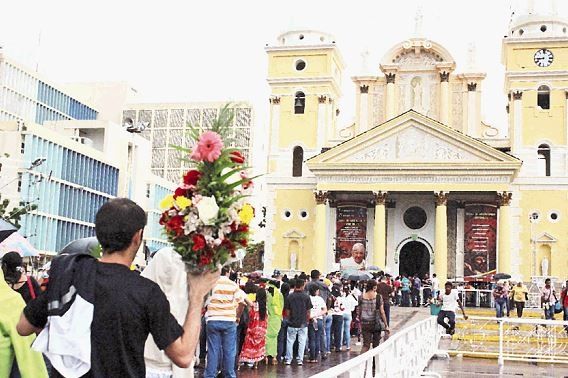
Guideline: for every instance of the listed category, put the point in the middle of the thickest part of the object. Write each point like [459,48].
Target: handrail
[389,357]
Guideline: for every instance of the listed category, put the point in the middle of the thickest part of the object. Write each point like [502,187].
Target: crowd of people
[100,318]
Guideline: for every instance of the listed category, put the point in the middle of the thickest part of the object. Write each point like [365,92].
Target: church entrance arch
[414,259]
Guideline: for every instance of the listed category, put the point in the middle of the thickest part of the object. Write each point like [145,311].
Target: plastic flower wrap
[207,218]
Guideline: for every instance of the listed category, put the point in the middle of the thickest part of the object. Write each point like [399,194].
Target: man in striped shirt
[224,307]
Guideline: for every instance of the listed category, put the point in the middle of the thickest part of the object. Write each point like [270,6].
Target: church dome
[305,38]
[538,26]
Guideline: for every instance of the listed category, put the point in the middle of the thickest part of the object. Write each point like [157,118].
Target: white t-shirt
[450,301]
[349,302]
[318,306]
[435,284]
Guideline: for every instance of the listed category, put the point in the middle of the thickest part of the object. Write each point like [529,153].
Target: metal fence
[515,339]
[403,355]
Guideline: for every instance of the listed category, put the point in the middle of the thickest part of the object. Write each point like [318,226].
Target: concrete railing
[405,354]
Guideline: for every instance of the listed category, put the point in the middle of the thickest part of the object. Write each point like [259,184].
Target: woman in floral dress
[254,348]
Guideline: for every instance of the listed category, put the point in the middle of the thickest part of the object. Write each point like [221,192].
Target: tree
[17,212]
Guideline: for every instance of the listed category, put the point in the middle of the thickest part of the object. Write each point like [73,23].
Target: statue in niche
[544,267]
[293,259]
[416,85]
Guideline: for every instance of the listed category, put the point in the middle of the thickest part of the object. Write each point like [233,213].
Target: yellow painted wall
[520,57]
[294,200]
[540,124]
[544,202]
[298,127]
[282,64]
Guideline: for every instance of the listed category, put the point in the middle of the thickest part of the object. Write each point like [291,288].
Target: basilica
[419,179]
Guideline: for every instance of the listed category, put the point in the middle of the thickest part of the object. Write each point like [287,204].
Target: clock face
[543,58]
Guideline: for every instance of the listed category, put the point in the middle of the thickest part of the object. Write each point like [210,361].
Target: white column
[391,111]
[322,117]
[460,241]
[274,124]
[517,121]
[472,110]
[445,97]
[363,109]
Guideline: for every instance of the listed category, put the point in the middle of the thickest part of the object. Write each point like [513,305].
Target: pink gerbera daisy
[208,148]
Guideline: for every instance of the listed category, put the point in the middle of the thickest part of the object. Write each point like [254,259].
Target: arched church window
[543,167]
[299,103]
[297,160]
[543,97]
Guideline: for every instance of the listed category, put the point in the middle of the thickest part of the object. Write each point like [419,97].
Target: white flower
[191,223]
[232,178]
[208,210]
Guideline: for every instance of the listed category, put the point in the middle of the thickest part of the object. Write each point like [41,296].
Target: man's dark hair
[299,283]
[224,270]
[313,290]
[448,284]
[315,274]
[116,222]
[547,280]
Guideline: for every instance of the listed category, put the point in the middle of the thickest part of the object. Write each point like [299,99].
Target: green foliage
[15,215]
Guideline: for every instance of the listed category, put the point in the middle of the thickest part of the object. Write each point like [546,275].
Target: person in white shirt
[357,259]
[350,301]
[315,327]
[435,286]
[450,300]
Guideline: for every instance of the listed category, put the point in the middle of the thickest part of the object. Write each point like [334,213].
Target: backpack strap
[31,288]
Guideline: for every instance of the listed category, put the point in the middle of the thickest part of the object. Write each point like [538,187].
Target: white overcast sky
[214,50]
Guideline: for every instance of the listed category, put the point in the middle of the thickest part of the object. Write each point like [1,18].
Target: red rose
[191,177]
[237,157]
[198,242]
[204,260]
[227,244]
[180,192]
[233,227]
[243,242]
[243,228]
[176,224]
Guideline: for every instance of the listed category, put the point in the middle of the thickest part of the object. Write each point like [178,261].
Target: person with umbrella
[16,277]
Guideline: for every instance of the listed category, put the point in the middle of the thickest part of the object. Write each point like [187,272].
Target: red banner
[351,226]
[480,234]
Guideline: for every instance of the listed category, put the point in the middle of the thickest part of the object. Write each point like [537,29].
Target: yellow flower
[183,202]
[167,202]
[246,214]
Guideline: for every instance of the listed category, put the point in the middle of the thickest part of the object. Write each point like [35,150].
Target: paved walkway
[400,318]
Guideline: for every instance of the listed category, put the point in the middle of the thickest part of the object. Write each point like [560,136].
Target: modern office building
[26,96]
[167,125]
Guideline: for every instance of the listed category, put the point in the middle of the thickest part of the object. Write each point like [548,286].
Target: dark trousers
[415,297]
[451,319]
[387,307]
[203,340]
[315,338]
[282,336]
[406,298]
[336,328]
[520,306]
[427,294]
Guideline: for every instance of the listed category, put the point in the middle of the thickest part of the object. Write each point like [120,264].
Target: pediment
[412,138]
[294,234]
[545,238]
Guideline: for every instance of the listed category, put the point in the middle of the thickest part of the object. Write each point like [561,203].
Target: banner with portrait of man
[351,226]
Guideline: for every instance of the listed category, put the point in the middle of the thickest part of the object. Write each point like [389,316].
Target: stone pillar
[391,100]
[322,121]
[441,248]
[445,98]
[380,231]
[460,219]
[472,110]
[320,250]
[504,233]
[363,110]
[517,121]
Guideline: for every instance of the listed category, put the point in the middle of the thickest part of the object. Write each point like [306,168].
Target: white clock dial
[543,58]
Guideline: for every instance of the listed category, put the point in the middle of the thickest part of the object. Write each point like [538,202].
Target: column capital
[566,94]
[504,198]
[364,89]
[441,198]
[390,78]
[274,100]
[322,99]
[380,198]
[517,95]
[444,76]
[472,87]
[321,197]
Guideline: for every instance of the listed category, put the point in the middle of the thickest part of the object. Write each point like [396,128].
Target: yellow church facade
[419,179]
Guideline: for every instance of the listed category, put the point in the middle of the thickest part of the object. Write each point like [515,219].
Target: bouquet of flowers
[207,218]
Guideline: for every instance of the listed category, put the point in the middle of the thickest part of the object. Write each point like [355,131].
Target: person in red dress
[254,347]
